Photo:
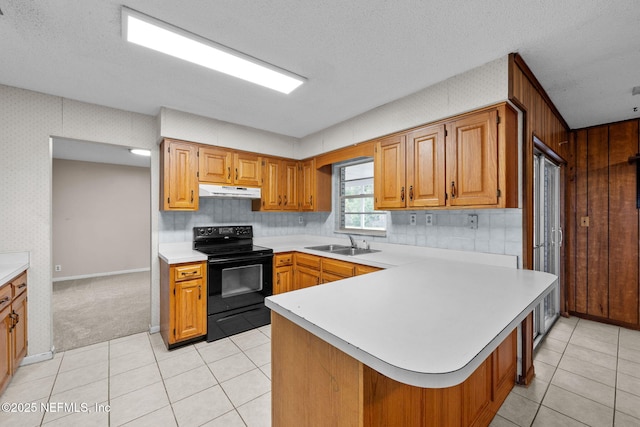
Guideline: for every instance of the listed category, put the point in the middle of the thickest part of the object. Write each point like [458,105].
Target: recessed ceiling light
[162,37]
[140,152]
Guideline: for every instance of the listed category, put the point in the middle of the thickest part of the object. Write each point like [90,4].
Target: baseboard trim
[35,358]
[154,329]
[94,275]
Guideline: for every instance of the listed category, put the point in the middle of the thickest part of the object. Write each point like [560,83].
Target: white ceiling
[356,54]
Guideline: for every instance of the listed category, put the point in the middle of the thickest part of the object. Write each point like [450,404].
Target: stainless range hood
[229,191]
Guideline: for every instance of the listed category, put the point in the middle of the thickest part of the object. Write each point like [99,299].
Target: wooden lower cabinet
[297,270]
[282,272]
[183,302]
[314,383]
[13,327]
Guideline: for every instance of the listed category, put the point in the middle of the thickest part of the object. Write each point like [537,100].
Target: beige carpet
[88,311]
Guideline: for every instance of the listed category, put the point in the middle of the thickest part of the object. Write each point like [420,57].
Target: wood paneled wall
[542,119]
[603,224]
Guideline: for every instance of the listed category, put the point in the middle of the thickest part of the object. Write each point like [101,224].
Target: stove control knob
[209,231]
[201,231]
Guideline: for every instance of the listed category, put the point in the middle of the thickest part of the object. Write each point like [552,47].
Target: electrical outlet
[412,219]
[58,267]
[473,221]
[300,220]
[429,219]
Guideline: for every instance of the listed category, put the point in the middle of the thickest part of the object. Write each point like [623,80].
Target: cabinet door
[389,176]
[214,165]
[472,160]
[283,279]
[307,185]
[271,197]
[5,348]
[305,277]
[290,186]
[180,179]
[19,313]
[425,167]
[247,169]
[190,309]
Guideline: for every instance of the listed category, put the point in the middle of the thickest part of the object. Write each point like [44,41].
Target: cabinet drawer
[310,261]
[365,269]
[336,267]
[280,260]
[5,296]
[20,284]
[191,271]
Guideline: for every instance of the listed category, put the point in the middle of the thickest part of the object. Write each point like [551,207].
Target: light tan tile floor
[587,374]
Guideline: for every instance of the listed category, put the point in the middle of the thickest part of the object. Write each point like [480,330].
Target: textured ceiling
[356,54]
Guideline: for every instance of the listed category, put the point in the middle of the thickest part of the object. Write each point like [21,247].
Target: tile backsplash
[499,230]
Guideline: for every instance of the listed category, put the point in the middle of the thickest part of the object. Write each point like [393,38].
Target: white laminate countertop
[177,253]
[428,323]
[12,264]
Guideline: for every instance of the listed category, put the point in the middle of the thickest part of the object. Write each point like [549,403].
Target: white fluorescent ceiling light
[162,37]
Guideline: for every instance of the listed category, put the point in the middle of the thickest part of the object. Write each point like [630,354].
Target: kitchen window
[357,214]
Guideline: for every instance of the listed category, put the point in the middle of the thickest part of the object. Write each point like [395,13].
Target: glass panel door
[547,238]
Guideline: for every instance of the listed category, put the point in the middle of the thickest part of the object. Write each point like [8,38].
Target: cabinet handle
[199,292]
[411,192]
[185,273]
[22,285]
[191,196]
[277,278]
[453,189]
[402,194]
[311,200]
[229,172]
[285,200]
[4,300]
[236,174]
[279,200]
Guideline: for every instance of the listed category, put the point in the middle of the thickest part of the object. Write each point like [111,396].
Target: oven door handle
[256,258]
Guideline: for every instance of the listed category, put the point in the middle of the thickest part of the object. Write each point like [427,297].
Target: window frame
[340,200]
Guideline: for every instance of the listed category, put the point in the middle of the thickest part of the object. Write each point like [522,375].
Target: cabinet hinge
[497,119]
[446,132]
[262,163]
[168,200]
[198,174]
[168,149]
[498,192]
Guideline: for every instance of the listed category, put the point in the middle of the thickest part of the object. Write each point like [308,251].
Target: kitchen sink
[342,249]
[354,251]
[329,248]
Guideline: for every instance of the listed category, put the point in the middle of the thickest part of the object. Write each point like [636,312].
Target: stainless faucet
[353,243]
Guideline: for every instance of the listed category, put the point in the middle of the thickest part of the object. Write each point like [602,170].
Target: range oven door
[239,281]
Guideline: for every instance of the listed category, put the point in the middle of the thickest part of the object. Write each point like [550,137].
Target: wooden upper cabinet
[271,196]
[215,165]
[472,160]
[315,187]
[222,166]
[389,172]
[290,183]
[425,171]
[179,183]
[247,169]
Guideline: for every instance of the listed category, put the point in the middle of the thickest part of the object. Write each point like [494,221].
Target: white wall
[189,127]
[28,120]
[101,218]
[479,87]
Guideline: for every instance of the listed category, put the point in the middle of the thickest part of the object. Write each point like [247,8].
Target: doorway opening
[101,239]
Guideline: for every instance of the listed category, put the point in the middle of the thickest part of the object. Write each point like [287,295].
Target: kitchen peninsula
[429,342]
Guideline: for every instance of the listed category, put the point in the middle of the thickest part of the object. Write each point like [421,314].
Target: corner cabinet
[467,162]
[179,180]
[13,327]
[183,302]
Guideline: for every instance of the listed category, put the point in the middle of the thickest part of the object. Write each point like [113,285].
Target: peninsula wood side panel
[604,260]
[314,383]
